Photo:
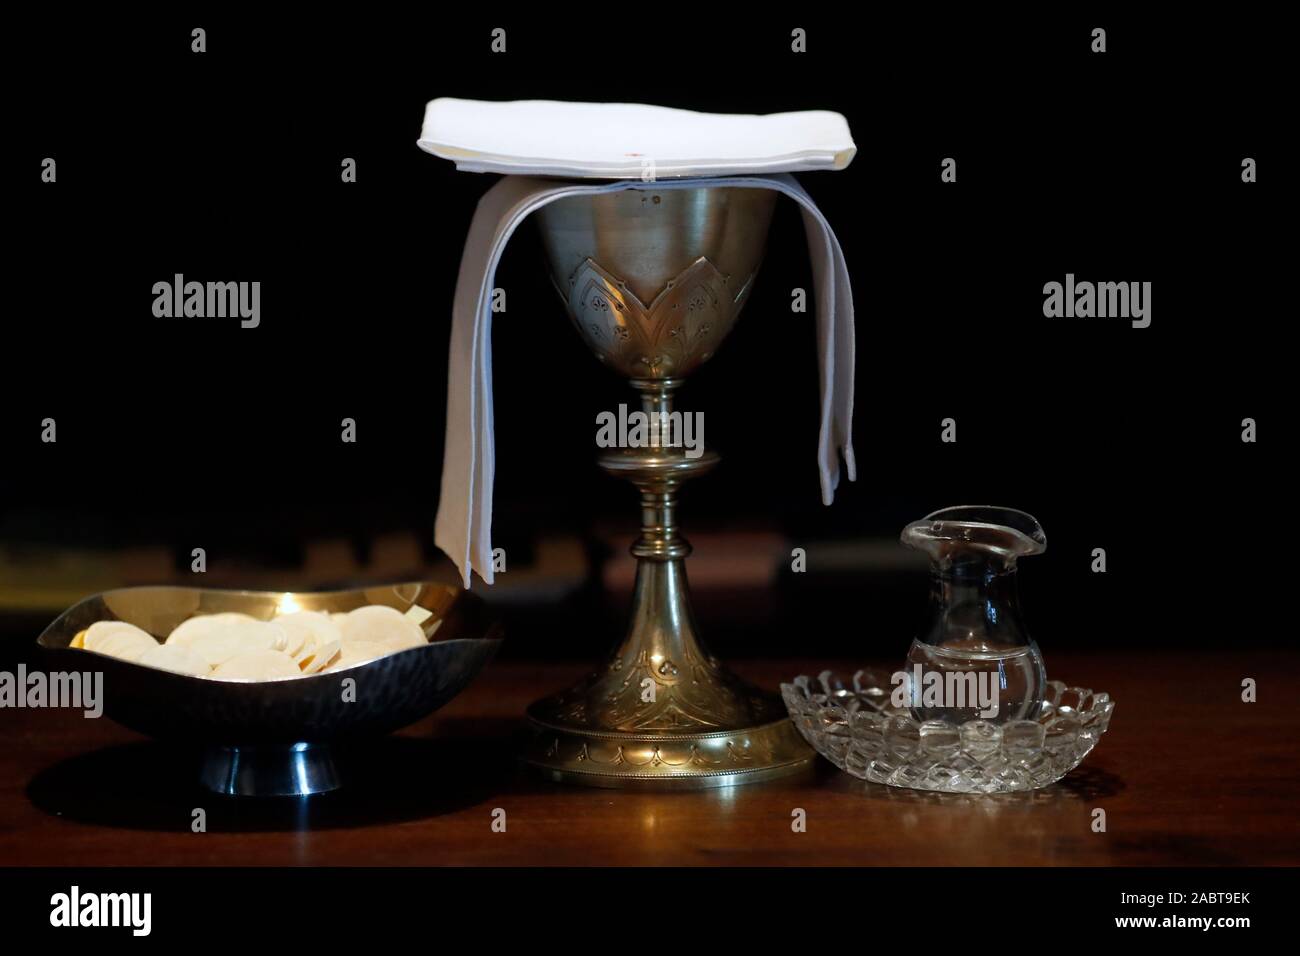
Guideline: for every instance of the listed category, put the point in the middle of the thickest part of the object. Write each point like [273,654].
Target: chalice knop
[654,280]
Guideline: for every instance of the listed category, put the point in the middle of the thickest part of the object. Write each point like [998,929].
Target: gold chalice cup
[654,280]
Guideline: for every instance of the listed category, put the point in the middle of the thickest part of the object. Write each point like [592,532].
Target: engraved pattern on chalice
[672,335]
[653,282]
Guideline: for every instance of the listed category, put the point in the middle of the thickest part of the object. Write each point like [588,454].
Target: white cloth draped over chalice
[677,143]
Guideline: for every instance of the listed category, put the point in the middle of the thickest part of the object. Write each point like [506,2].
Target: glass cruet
[974,659]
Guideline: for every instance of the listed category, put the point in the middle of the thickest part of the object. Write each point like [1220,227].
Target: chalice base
[677,761]
[663,713]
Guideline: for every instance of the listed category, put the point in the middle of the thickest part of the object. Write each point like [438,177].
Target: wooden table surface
[1187,775]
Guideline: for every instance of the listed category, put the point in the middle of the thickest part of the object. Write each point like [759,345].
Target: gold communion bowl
[276,737]
[654,279]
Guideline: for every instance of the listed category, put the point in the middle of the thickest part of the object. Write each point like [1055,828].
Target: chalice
[654,280]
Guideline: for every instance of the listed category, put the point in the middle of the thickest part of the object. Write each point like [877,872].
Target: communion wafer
[319,657]
[240,647]
[307,630]
[118,639]
[100,632]
[219,646]
[418,614]
[176,658]
[358,652]
[262,664]
[382,625]
[187,631]
[127,645]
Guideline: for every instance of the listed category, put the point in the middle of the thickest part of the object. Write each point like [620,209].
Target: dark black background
[225,165]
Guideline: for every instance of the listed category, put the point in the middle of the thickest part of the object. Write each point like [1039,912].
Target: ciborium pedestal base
[662,713]
[293,770]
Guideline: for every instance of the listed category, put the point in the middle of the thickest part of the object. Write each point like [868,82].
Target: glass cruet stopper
[974,659]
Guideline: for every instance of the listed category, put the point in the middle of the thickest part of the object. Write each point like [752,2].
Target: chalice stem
[659,478]
[662,629]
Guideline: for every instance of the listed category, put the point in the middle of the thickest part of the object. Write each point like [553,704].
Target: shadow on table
[154,786]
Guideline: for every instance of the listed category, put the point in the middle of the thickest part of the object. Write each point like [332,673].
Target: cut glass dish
[856,727]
